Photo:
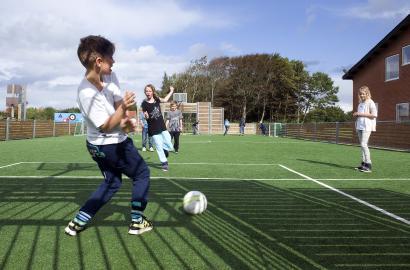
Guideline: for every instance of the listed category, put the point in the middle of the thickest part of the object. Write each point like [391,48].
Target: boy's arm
[180,125]
[166,98]
[119,117]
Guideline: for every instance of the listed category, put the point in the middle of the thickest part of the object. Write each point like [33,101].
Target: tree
[320,93]
[166,83]
[327,114]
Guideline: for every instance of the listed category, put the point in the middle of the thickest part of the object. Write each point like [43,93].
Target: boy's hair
[173,102]
[92,47]
[366,90]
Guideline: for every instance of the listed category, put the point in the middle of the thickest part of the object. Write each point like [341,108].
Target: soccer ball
[194,202]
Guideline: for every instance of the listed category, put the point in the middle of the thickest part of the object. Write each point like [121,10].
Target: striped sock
[136,216]
[82,218]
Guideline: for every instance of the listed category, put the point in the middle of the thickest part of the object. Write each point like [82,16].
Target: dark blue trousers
[113,161]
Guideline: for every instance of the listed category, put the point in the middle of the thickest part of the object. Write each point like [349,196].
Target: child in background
[151,106]
[105,113]
[174,124]
[145,136]
[365,123]
[195,128]
[242,124]
[226,124]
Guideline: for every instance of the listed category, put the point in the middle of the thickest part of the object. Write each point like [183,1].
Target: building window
[392,67]
[406,55]
[402,112]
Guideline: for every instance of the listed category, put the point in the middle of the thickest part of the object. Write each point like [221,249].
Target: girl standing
[156,126]
[365,123]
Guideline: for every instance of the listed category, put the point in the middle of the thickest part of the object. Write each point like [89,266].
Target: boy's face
[173,107]
[105,63]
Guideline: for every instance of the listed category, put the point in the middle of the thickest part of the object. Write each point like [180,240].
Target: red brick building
[386,70]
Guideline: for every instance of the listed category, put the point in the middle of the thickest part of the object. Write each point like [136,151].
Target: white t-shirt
[97,106]
[365,123]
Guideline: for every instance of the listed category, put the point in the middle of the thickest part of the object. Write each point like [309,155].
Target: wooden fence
[389,134]
[16,130]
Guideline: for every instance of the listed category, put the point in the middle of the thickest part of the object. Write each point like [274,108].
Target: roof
[397,31]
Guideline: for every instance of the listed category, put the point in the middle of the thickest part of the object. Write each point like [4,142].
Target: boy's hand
[171,89]
[128,102]
[128,124]
[146,115]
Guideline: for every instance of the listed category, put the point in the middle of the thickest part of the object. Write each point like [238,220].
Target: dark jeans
[175,137]
[145,138]
[113,161]
[226,130]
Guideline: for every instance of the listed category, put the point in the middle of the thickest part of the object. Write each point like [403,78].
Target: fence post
[315,131]
[7,128]
[69,128]
[34,128]
[337,132]
[54,128]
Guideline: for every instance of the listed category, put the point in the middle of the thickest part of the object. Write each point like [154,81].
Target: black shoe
[366,168]
[164,166]
[359,167]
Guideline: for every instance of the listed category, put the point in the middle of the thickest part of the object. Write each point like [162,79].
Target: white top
[97,106]
[365,123]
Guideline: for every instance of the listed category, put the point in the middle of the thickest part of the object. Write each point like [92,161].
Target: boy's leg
[150,143]
[144,137]
[137,170]
[106,157]
[176,141]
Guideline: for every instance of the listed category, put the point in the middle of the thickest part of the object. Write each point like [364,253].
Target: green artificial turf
[273,203]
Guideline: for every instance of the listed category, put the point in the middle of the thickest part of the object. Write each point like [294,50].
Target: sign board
[68,117]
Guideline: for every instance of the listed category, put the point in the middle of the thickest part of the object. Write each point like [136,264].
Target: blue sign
[68,117]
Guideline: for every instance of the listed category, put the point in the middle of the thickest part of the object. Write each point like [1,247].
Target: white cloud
[380,9]
[345,94]
[39,41]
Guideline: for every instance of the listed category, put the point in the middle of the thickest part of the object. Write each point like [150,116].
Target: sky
[39,38]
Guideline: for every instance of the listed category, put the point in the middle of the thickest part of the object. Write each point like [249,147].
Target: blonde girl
[366,115]
[151,106]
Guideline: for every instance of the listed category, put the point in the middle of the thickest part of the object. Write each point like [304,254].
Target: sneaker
[359,167]
[139,228]
[365,169]
[176,152]
[73,228]
[164,166]
[151,149]
[144,149]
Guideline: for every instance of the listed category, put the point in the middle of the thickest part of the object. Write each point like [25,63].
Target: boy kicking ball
[104,111]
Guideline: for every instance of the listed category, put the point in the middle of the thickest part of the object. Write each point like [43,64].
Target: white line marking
[152,177]
[196,178]
[349,196]
[177,163]
[5,166]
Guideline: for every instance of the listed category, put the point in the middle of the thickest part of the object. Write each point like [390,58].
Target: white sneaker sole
[70,232]
[141,231]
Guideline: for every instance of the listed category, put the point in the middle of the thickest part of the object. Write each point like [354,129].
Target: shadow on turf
[326,163]
[248,224]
